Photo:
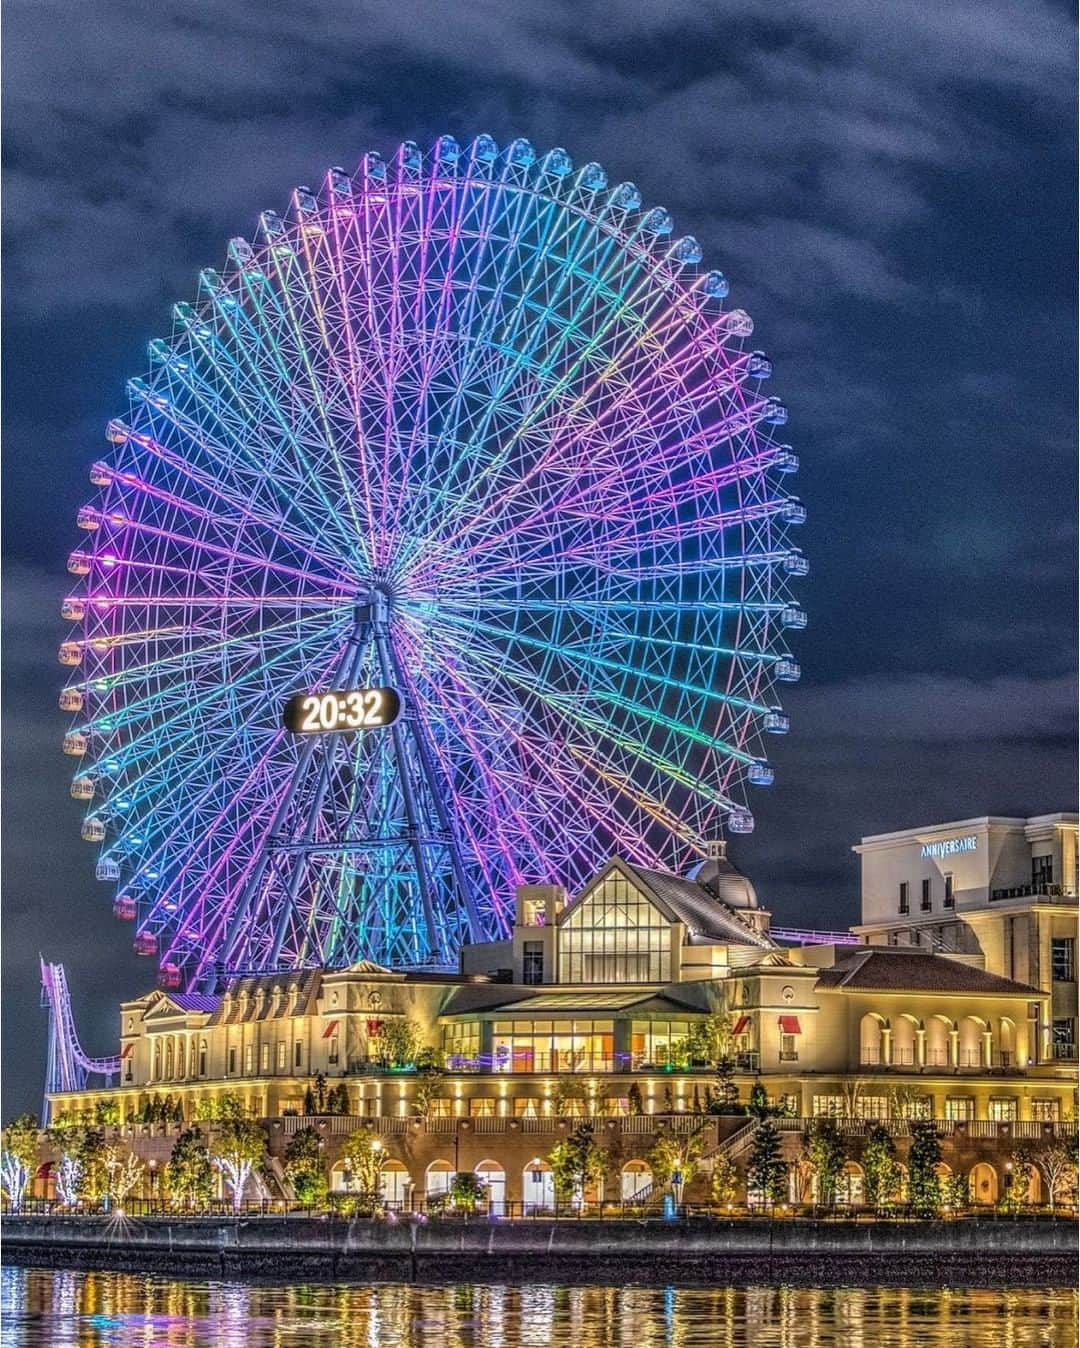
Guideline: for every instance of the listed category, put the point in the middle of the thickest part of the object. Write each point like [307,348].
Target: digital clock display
[349,709]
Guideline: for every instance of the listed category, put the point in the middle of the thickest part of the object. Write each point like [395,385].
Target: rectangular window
[788,1052]
[482,1107]
[461,1043]
[1063,959]
[282,1055]
[232,1062]
[298,1053]
[1042,872]
[526,1107]
[924,901]
[264,1058]
[333,1050]
[1063,1036]
[249,1058]
[832,1106]
[905,904]
[960,1108]
[950,896]
[917,1107]
[1002,1109]
[202,1058]
[533,962]
[1046,1111]
[871,1107]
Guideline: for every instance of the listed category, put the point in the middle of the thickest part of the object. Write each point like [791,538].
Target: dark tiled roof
[888,970]
[692,904]
[194,1001]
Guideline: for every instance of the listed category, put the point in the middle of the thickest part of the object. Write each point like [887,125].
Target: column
[920,1046]
[886,1045]
[954,1046]
[988,1048]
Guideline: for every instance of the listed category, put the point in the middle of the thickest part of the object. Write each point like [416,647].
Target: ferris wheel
[470,435]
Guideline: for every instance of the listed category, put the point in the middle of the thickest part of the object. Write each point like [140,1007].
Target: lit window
[264,1058]
[481,1108]
[249,1058]
[832,1106]
[788,1052]
[1002,1109]
[282,1052]
[1063,959]
[1046,1111]
[614,935]
[959,1108]
[533,962]
[333,1049]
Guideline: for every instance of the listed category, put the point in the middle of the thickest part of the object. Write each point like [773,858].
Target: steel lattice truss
[494,386]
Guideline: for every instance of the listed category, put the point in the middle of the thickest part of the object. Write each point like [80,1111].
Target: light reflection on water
[62,1309]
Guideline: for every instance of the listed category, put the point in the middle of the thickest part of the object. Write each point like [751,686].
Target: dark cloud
[890,187]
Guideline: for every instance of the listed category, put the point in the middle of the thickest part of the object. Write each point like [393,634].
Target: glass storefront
[659,1043]
[461,1043]
[553,1046]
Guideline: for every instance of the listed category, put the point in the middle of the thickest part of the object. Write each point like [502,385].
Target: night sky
[890,186]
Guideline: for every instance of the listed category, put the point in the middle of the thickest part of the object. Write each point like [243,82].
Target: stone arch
[905,1040]
[939,1033]
[1007,1041]
[636,1176]
[970,1045]
[870,1038]
[394,1184]
[438,1178]
[983,1184]
[494,1180]
[538,1187]
[851,1187]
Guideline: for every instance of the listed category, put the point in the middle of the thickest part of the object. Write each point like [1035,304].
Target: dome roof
[729,885]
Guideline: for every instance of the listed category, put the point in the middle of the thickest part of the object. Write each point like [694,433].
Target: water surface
[58,1309]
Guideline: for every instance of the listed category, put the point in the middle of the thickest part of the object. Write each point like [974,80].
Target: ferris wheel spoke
[562,775]
[506,638]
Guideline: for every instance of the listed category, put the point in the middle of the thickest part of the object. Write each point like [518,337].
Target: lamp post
[153,1176]
[677,1188]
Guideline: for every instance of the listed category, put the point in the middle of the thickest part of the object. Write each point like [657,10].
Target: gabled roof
[887,969]
[703,913]
[165,1004]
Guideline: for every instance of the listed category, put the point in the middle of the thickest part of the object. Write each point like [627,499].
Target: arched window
[636,1178]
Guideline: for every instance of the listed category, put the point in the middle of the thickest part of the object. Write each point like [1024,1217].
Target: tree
[955,1194]
[337,1099]
[576,1162]
[1018,1176]
[881,1167]
[758,1106]
[363,1157]
[237,1147]
[80,1173]
[924,1184]
[94,1184]
[1058,1168]
[670,1156]
[724,1184]
[398,1042]
[567,1090]
[466,1192]
[766,1175]
[726,1100]
[107,1113]
[309,1101]
[303,1166]
[189,1175]
[123,1171]
[320,1093]
[18,1158]
[823,1148]
[634,1102]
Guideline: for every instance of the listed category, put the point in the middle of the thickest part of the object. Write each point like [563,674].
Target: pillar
[920,1046]
[954,1046]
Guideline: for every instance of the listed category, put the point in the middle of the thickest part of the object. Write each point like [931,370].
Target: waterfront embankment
[990,1253]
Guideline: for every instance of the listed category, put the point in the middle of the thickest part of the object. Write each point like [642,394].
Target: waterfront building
[595,1007]
[1001,890]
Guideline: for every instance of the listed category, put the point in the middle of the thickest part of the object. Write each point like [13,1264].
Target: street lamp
[153,1176]
[677,1187]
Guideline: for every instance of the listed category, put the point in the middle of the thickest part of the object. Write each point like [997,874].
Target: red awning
[742,1024]
[330,1029]
[125,1052]
[790,1025]
[44,1172]
[374,1026]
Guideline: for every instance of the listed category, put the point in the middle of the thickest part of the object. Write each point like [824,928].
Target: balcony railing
[967,1060]
[1038,890]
